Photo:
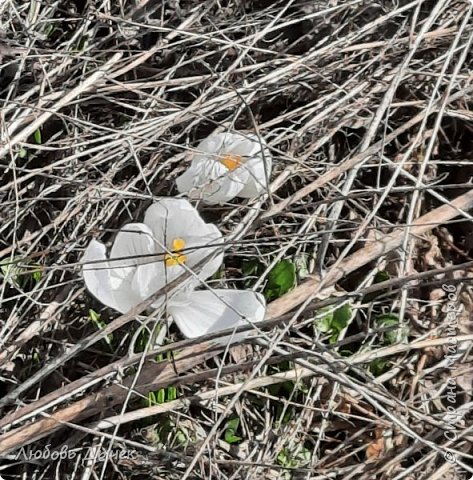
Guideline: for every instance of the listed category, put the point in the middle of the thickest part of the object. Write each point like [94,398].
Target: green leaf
[37,275]
[250,267]
[23,152]
[379,366]
[290,460]
[229,438]
[387,319]
[341,317]
[12,272]
[141,340]
[302,387]
[230,432]
[380,276]
[172,394]
[161,396]
[83,43]
[151,399]
[302,266]
[324,323]
[37,137]
[96,319]
[181,437]
[17,273]
[281,279]
[304,455]
[334,321]
[390,320]
[283,458]
[219,274]
[49,30]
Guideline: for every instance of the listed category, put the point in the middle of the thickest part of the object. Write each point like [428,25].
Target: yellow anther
[172,260]
[176,258]
[178,244]
[231,161]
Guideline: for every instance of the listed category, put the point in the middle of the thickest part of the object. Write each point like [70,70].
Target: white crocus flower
[225,166]
[201,312]
[145,257]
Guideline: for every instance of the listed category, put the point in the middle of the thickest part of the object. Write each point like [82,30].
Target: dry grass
[367,109]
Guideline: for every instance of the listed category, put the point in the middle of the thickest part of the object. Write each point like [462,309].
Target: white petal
[185,182]
[220,191]
[253,175]
[99,281]
[196,252]
[245,145]
[228,142]
[259,171]
[199,172]
[97,275]
[209,180]
[132,247]
[197,249]
[176,218]
[133,243]
[170,218]
[212,144]
[251,190]
[202,312]
[256,185]
[150,278]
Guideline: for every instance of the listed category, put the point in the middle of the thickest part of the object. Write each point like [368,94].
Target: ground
[361,245]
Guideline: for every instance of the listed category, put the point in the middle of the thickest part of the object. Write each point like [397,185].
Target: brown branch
[369,253]
[153,376]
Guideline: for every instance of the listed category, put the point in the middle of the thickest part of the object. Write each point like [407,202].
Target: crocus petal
[99,280]
[244,145]
[220,190]
[186,182]
[150,278]
[212,144]
[200,171]
[211,181]
[252,189]
[202,312]
[133,245]
[97,275]
[259,170]
[198,248]
[177,218]
[170,218]
[257,182]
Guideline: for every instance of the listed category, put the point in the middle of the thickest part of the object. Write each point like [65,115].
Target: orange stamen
[176,258]
[231,161]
